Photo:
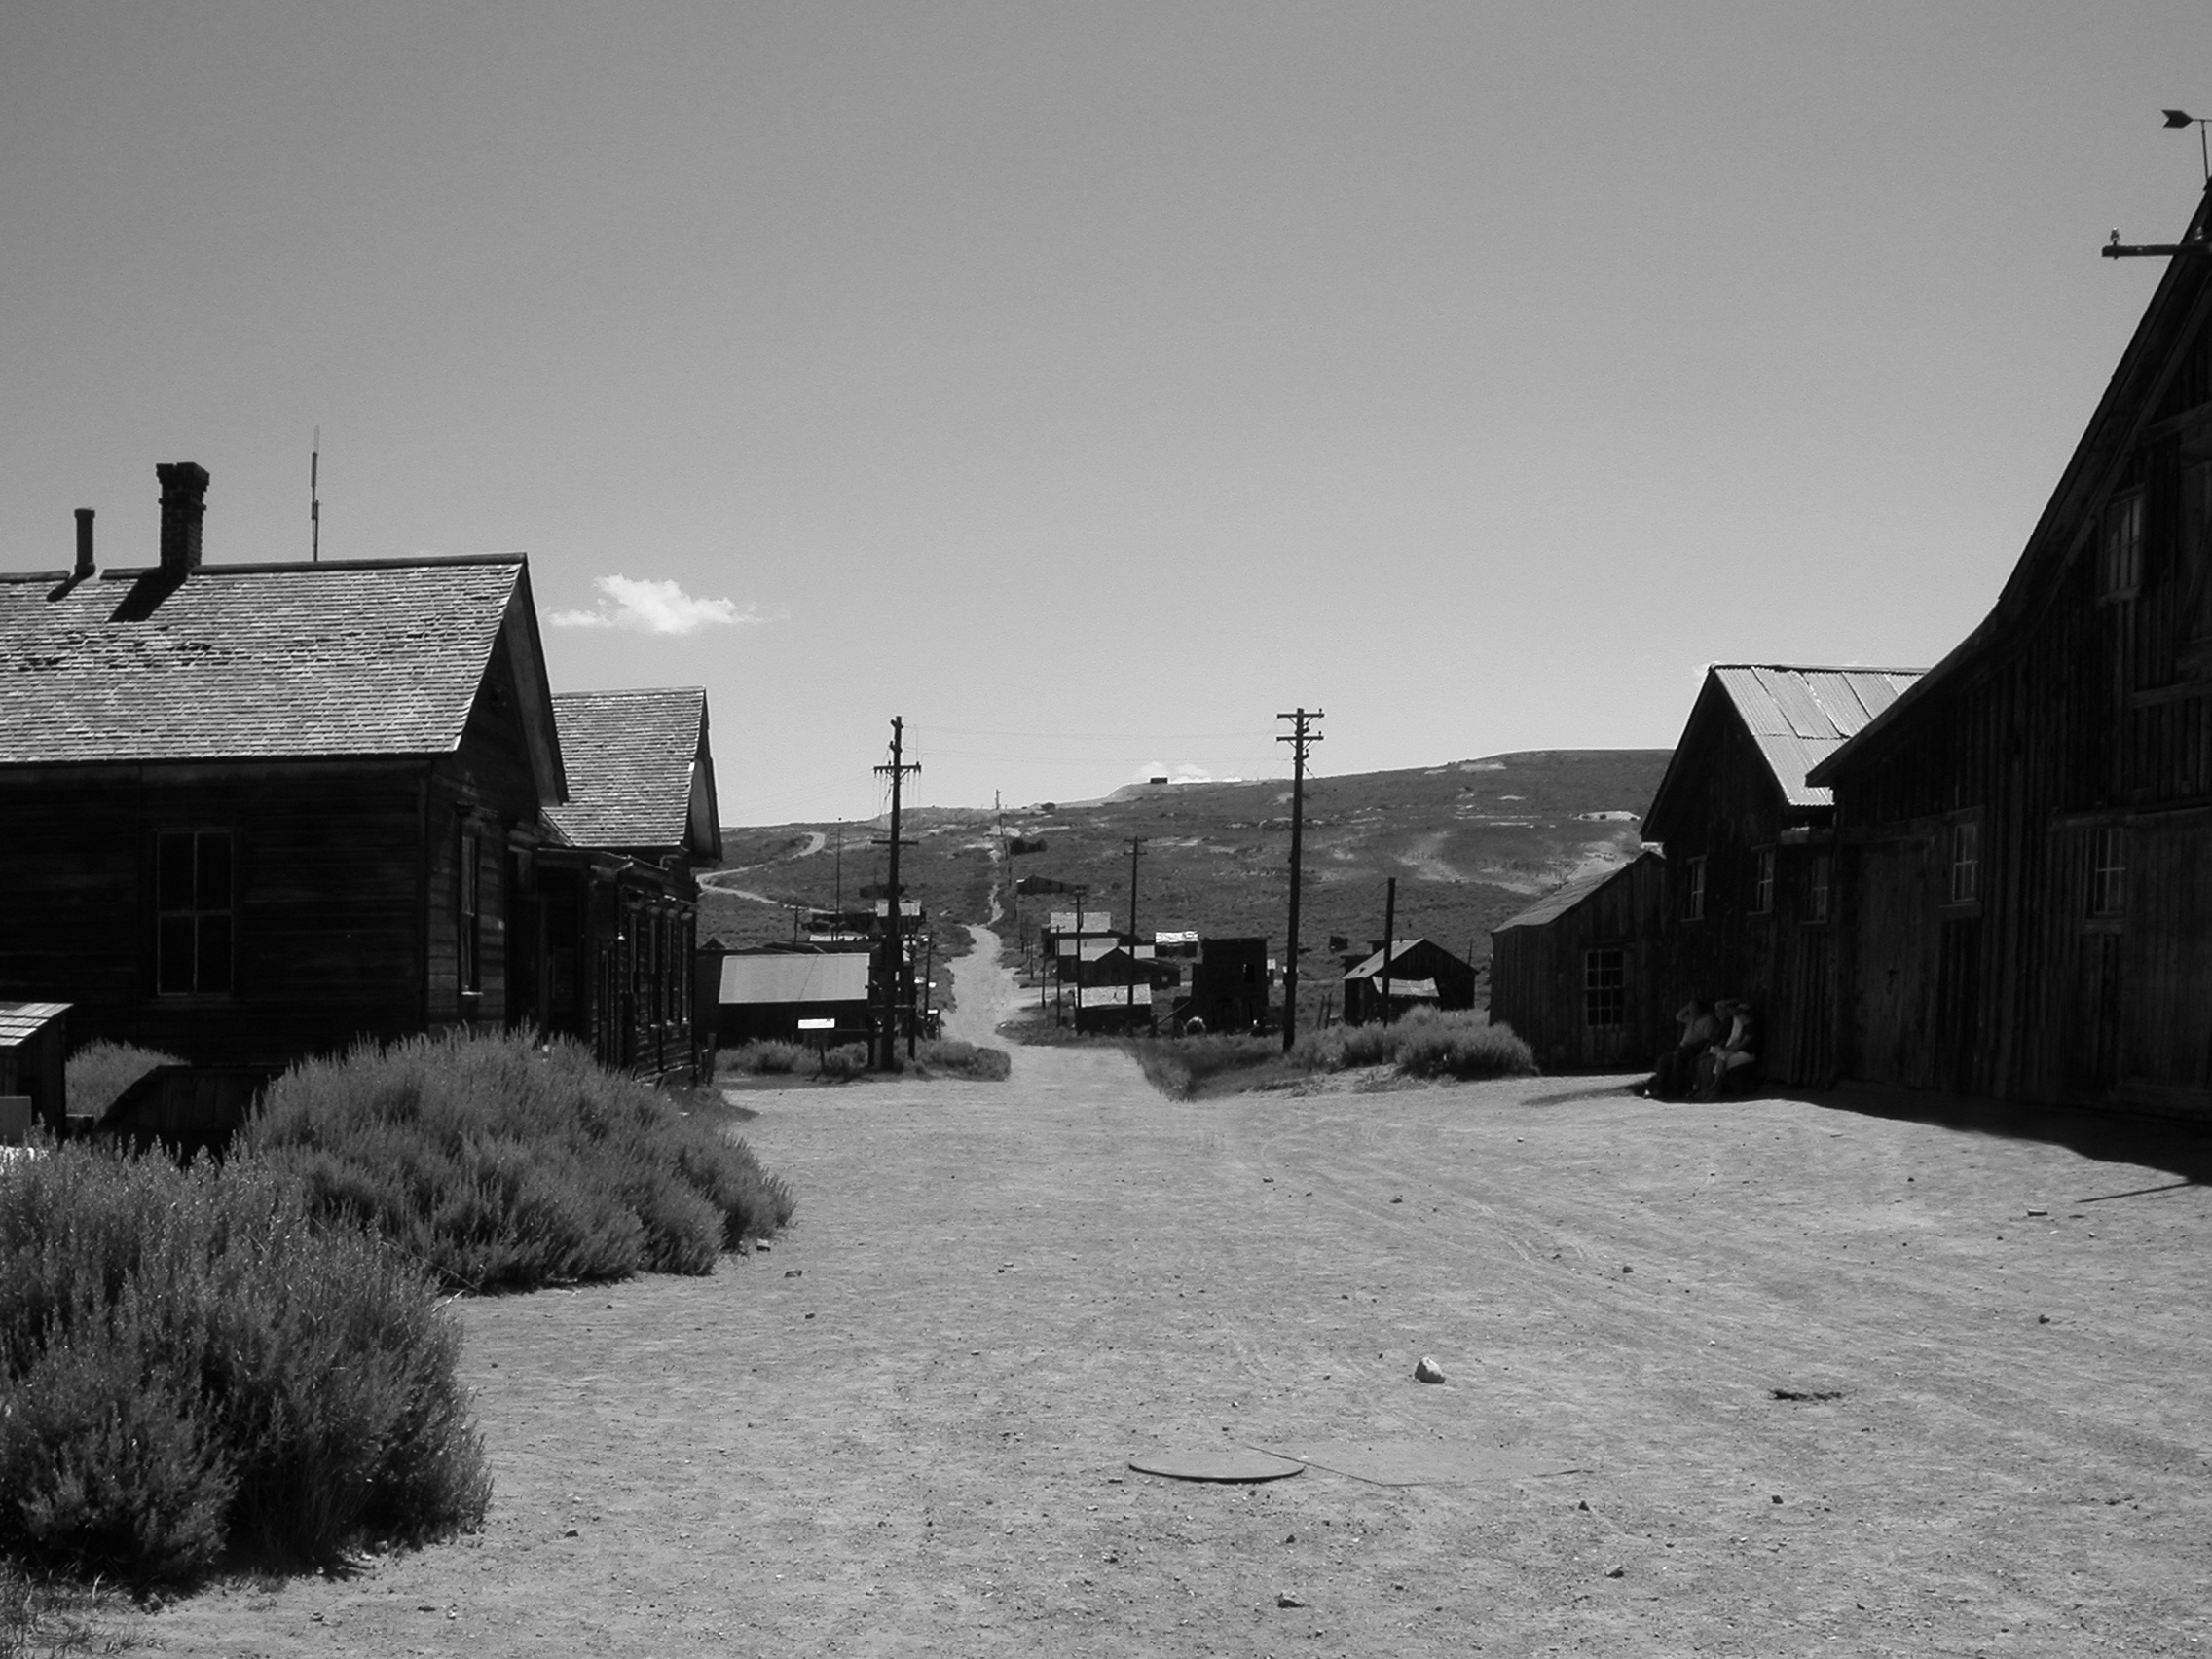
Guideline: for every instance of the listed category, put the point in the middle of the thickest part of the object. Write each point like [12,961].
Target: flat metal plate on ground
[1218,1463]
[1426,1462]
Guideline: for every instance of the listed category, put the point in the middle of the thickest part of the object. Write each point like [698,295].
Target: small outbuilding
[1572,975]
[789,996]
[1422,974]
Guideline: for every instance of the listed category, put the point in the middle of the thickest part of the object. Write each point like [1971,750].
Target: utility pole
[1300,738]
[1136,847]
[895,974]
[1389,928]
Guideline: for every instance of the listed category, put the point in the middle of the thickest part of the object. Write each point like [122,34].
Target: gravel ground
[1767,1378]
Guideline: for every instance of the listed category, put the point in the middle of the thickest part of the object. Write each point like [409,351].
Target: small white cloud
[652,607]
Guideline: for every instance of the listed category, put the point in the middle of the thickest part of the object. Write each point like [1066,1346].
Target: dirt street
[905,1429]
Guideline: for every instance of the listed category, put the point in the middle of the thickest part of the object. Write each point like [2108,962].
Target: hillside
[1471,843]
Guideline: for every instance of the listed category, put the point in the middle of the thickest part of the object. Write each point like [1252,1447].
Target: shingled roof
[634,761]
[263,661]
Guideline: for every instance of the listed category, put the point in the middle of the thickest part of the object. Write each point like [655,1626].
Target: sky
[1087,384]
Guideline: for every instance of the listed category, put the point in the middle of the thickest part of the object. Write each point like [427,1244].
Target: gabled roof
[1796,716]
[635,760]
[1372,967]
[265,661]
[2064,533]
[1562,900]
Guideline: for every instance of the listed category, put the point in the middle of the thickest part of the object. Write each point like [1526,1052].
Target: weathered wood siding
[326,939]
[1538,976]
[2088,709]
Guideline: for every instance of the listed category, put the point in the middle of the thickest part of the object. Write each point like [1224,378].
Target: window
[1605,989]
[2108,873]
[1818,879]
[2120,571]
[1966,862]
[1693,890]
[1762,882]
[469,932]
[194,891]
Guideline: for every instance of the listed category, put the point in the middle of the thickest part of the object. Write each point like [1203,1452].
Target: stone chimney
[184,502]
[84,542]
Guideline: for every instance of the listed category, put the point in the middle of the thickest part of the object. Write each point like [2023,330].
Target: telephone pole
[894,973]
[1390,929]
[1136,847]
[1300,738]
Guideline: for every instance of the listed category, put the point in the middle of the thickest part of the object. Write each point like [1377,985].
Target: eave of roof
[2176,310]
[632,758]
[1567,897]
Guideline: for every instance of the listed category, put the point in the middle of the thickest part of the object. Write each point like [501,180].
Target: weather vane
[2196,245]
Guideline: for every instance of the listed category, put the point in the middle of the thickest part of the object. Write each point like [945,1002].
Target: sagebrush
[1424,1043]
[187,1362]
[500,1164]
[101,1071]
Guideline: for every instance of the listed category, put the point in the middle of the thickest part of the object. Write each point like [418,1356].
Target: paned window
[1605,989]
[470,929]
[2120,571]
[1819,880]
[1966,862]
[2108,873]
[1762,882]
[1693,890]
[195,888]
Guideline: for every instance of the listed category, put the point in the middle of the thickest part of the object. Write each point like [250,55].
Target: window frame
[1762,882]
[2108,873]
[468,914]
[1820,888]
[1693,888]
[2119,547]
[196,918]
[1963,862]
[1605,986]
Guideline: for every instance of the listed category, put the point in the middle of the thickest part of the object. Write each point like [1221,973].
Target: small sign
[818,1025]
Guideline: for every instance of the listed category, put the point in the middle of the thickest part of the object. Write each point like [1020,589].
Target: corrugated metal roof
[248,661]
[839,976]
[1798,716]
[630,757]
[1374,963]
[22,1020]
[1562,900]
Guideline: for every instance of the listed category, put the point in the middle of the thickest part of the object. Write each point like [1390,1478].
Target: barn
[1574,973]
[1750,857]
[1422,974]
[2026,834]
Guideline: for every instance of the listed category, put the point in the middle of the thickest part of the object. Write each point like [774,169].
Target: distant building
[1422,974]
[788,996]
[1228,986]
[1574,973]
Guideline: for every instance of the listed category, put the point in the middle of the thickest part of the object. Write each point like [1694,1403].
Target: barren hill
[1470,842]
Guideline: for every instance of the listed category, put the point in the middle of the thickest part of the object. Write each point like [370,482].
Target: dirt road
[1003,1291]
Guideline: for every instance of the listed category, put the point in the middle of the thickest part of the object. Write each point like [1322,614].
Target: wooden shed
[1572,973]
[1750,855]
[34,1054]
[2026,836]
[1422,974]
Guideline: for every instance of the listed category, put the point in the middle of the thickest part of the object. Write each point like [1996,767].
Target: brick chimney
[84,542]
[184,502]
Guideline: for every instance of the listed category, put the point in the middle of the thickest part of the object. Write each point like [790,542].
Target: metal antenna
[315,499]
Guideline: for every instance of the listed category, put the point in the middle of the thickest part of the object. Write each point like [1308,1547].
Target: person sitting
[1730,1064]
[1676,1073]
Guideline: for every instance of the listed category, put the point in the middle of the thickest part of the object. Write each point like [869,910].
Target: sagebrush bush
[753,1059]
[1424,1043]
[1459,1044]
[844,1062]
[101,1071]
[502,1166]
[187,1362]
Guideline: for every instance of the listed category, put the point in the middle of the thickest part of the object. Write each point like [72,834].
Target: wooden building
[785,995]
[2026,836]
[1750,858]
[251,812]
[1422,974]
[614,912]
[1572,975]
